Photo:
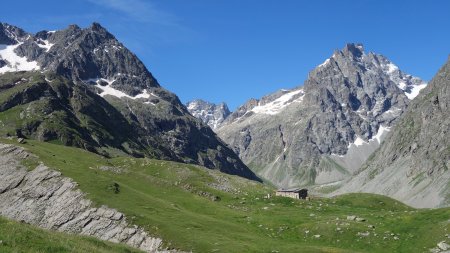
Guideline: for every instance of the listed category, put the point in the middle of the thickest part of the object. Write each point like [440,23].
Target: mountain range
[92,145]
[327,133]
[323,131]
[84,88]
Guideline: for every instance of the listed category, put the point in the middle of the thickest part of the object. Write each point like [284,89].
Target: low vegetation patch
[18,237]
[193,208]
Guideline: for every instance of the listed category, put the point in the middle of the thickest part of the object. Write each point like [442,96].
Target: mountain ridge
[93,58]
[346,106]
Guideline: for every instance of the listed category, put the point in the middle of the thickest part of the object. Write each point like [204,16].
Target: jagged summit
[353,49]
[10,34]
[353,57]
[95,26]
[211,114]
[85,55]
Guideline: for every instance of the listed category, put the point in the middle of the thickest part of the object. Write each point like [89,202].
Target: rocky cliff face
[43,197]
[211,114]
[94,59]
[412,165]
[322,132]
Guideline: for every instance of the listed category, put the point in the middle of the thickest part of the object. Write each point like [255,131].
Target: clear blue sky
[233,50]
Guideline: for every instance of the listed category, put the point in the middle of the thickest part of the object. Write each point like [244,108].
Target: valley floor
[200,210]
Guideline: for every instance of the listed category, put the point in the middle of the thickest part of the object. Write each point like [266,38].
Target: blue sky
[233,50]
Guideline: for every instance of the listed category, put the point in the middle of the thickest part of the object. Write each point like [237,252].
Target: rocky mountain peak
[211,114]
[355,65]
[97,27]
[93,61]
[90,55]
[10,35]
[73,27]
[336,120]
[353,50]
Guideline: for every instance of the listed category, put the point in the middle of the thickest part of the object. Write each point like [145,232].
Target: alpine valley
[320,134]
[96,156]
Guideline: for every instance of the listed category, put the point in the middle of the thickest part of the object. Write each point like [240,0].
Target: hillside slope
[19,237]
[413,164]
[200,210]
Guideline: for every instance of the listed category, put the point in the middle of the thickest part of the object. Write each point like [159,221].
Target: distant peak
[10,34]
[97,27]
[5,24]
[355,49]
[73,27]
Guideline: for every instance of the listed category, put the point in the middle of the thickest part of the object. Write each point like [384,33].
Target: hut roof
[291,190]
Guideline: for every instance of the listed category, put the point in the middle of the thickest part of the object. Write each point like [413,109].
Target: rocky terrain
[105,83]
[211,114]
[322,132]
[412,165]
[43,197]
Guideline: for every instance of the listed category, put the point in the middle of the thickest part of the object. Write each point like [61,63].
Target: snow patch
[409,84]
[415,91]
[324,63]
[278,104]
[402,85]
[359,141]
[381,131]
[47,45]
[192,106]
[15,62]
[391,68]
[108,90]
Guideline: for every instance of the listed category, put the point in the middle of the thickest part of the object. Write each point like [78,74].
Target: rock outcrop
[324,131]
[43,197]
[412,165]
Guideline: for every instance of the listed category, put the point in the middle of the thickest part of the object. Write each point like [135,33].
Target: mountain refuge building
[295,193]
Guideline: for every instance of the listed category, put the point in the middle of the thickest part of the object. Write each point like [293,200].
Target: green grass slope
[193,208]
[17,237]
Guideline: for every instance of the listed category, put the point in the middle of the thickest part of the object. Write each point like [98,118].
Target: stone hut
[293,193]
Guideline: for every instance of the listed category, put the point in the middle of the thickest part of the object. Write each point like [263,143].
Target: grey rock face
[44,198]
[94,58]
[211,114]
[10,34]
[412,165]
[312,134]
